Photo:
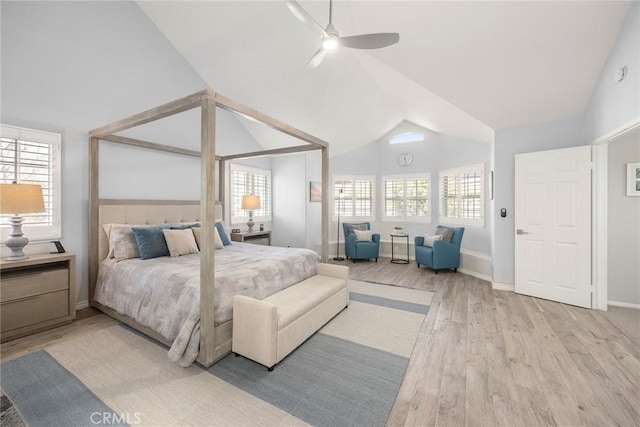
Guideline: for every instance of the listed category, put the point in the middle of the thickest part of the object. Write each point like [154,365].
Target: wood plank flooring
[486,357]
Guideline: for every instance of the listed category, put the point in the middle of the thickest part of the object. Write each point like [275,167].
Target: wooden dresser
[36,293]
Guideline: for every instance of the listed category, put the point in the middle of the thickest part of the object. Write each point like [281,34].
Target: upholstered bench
[267,330]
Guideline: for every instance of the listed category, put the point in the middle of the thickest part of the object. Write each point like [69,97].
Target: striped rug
[347,374]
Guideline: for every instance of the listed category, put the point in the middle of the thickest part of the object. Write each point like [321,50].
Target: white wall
[508,143]
[623,227]
[615,104]
[70,67]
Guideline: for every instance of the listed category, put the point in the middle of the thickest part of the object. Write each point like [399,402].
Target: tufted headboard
[112,211]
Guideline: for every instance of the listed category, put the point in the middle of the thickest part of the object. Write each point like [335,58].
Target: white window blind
[245,181]
[407,198]
[356,200]
[30,156]
[461,195]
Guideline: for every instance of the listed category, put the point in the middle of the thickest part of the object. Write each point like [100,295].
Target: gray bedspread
[164,293]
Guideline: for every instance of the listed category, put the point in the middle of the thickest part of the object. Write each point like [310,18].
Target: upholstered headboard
[145,212]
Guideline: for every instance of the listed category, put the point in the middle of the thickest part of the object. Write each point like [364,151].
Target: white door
[553,225]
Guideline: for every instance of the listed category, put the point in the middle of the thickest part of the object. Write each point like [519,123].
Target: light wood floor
[486,357]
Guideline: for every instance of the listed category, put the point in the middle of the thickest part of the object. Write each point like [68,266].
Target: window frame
[34,232]
[354,178]
[458,172]
[404,178]
[234,213]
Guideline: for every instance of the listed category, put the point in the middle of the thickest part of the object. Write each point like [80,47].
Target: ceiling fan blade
[316,60]
[369,41]
[304,16]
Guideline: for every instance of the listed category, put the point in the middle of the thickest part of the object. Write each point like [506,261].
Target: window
[33,157]
[403,138]
[461,195]
[353,197]
[407,197]
[244,181]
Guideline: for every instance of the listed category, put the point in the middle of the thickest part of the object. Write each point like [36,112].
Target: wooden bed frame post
[324,250]
[94,196]
[207,209]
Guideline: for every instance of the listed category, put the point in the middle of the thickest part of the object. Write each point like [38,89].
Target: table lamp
[251,202]
[18,199]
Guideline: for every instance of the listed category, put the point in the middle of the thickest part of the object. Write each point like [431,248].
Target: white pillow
[430,238]
[363,235]
[217,241]
[180,242]
[123,243]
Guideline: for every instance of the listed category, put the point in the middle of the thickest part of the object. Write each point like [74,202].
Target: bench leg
[236,354]
[271,368]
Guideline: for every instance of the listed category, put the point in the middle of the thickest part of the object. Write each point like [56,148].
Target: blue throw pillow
[151,242]
[184,227]
[223,234]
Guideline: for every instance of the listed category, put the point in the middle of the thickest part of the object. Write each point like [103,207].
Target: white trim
[624,304]
[404,178]
[475,274]
[82,304]
[346,218]
[477,222]
[502,287]
[600,207]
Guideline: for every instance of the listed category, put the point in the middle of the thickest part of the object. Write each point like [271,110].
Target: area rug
[348,373]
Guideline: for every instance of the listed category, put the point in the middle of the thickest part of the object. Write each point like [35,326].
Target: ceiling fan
[331,38]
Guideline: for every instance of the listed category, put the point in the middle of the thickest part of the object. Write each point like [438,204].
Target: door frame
[600,209]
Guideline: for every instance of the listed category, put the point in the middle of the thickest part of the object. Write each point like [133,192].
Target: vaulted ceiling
[460,68]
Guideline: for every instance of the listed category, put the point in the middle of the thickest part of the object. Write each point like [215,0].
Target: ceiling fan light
[330,43]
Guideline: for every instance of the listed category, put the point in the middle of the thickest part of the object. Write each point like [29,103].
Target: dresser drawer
[32,310]
[17,284]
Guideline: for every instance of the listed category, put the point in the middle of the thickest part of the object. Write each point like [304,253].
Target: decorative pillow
[107,230]
[151,242]
[446,233]
[217,242]
[354,227]
[180,242]
[430,238]
[363,235]
[123,243]
[185,226]
[224,236]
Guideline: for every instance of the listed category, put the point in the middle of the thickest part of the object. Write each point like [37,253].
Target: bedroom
[116,54]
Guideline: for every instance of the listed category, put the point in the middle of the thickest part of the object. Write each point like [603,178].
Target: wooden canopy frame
[207,100]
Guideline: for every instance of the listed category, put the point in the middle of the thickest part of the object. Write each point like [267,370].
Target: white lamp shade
[251,202]
[21,198]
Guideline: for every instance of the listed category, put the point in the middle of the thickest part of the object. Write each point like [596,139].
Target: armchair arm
[419,241]
[375,238]
[350,244]
[331,270]
[445,253]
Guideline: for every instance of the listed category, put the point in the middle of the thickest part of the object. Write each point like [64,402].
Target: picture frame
[315,192]
[633,179]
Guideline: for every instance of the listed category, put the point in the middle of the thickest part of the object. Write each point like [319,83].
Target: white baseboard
[503,287]
[475,274]
[624,304]
[82,304]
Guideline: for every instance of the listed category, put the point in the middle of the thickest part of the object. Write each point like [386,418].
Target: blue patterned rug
[347,374]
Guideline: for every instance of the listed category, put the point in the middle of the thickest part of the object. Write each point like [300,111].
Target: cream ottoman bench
[267,330]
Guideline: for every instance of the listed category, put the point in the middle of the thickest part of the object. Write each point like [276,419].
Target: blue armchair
[443,254]
[355,249]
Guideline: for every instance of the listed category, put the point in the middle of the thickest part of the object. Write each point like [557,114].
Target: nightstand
[255,237]
[36,293]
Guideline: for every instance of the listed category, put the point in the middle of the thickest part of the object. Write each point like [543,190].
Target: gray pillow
[352,227]
[446,233]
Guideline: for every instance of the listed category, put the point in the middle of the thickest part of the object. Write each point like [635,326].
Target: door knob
[520,231]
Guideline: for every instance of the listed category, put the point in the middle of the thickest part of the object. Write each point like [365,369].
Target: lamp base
[250,223]
[16,241]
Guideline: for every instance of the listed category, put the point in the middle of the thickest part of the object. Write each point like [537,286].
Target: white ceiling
[460,68]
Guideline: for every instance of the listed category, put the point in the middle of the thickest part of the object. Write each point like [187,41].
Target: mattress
[164,293]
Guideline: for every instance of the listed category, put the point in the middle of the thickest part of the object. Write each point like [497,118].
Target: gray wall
[623,227]
[508,143]
[615,104]
[70,67]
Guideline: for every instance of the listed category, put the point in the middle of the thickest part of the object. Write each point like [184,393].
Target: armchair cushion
[363,235]
[429,239]
[445,232]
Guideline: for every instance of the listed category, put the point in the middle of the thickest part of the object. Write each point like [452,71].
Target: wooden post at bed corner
[324,249]
[207,215]
[94,196]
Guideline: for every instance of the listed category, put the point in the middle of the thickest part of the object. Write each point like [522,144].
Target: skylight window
[405,137]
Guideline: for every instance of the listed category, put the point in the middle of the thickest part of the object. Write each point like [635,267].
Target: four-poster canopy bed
[214,341]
